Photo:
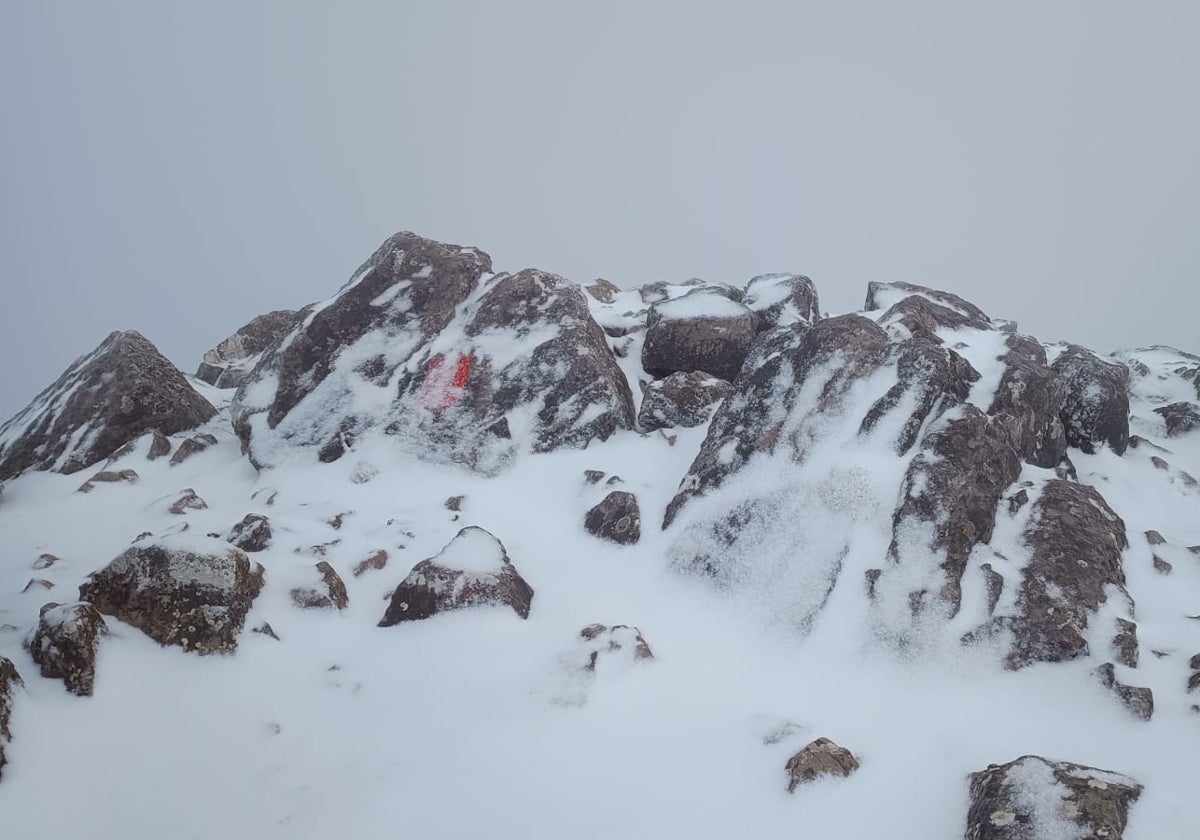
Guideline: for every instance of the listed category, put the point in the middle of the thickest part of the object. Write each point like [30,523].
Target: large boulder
[66,642]
[1029,402]
[227,364]
[9,681]
[780,300]
[1075,540]
[702,330]
[473,570]
[682,399]
[1097,400]
[179,590]
[103,401]
[1032,798]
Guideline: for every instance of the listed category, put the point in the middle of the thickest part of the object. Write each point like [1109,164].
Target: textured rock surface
[780,300]
[1029,402]
[193,593]
[1097,400]
[616,518]
[1180,417]
[1137,699]
[9,681]
[820,758]
[1035,799]
[703,331]
[961,312]
[66,642]
[192,446]
[227,364]
[253,533]
[681,399]
[329,594]
[104,400]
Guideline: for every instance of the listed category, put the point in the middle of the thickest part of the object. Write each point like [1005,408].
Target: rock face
[426,346]
[66,642]
[1029,403]
[1035,799]
[616,519]
[701,330]
[682,399]
[227,364]
[820,758]
[1180,418]
[780,300]
[9,680]
[1076,541]
[190,592]
[473,570]
[106,399]
[1097,401]
[253,533]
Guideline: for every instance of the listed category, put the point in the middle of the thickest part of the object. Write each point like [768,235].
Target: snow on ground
[456,727]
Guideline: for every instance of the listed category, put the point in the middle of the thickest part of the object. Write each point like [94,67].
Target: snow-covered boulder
[702,330]
[1097,401]
[9,681]
[819,758]
[616,518]
[226,365]
[947,310]
[1029,402]
[66,642]
[1033,798]
[681,399]
[473,570]
[193,592]
[780,300]
[603,644]
[1179,417]
[113,395]
[252,533]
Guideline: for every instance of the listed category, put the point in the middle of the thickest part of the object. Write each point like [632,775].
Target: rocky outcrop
[104,400]
[66,642]
[819,758]
[189,592]
[329,594]
[1032,798]
[252,534]
[1097,400]
[1075,540]
[473,570]
[919,316]
[1180,417]
[780,300]
[681,399]
[700,331]
[227,364]
[616,519]
[1029,402]
[9,681]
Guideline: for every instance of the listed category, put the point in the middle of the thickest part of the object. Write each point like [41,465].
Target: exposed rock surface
[1138,700]
[701,330]
[919,315]
[192,446]
[617,518]
[187,500]
[109,477]
[227,364]
[9,681]
[888,295]
[375,560]
[780,300]
[681,399]
[821,757]
[1180,417]
[473,570]
[193,593]
[253,533]
[1029,402]
[1097,401]
[66,642]
[1035,799]
[330,594]
[113,395]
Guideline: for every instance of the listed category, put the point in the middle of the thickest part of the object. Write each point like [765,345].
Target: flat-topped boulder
[702,330]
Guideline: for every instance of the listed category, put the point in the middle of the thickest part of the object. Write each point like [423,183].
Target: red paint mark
[444,387]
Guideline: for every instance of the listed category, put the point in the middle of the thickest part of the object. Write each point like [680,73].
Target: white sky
[180,170]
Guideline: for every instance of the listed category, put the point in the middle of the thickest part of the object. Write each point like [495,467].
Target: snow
[472,550]
[701,304]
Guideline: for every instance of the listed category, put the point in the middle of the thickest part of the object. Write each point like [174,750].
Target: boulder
[9,681]
[330,594]
[885,295]
[602,290]
[1029,402]
[253,533]
[1096,409]
[920,316]
[780,300]
[192,446]
[1075,540]
[681,399]
[702,330]
[473,570]
[1033,798]
[1180,417]
[115,394]
[616,519]
[821,757]
[187,500]
[66,642]
[226,365]
[190,592]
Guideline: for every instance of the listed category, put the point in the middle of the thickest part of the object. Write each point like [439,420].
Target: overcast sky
[179,168]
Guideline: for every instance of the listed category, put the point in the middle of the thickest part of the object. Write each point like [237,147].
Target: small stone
[454,503]
[1162,566]
[1159,463]
[44,561]
[187,500]
[617,519]
[377,560]
[1155,538]
[821,757]
[36,582]
[266,630]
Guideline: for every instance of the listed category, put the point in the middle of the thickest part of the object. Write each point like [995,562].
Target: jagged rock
[1097,402]
[602,290]
[821,757]
[1029,402]
[9,680]
[160,446]
[226,365]
[187,500]
[780,300]
[253,533]
[593,476]
[1161,566]
[1180,418]
[887,295]
[994,582]
[1155,538]
[108,477]
[1017,501]
[44,561]
[1139,701]
[266,630]
[66,642]
[331,595]
[603,641]
[193,445]
[118,392]
[377,560]
[190,592]
[1032,798]
[1125,643]
[702,331]
[473,570]
[681,399]
[1076,541]
[454,503]
[617,519]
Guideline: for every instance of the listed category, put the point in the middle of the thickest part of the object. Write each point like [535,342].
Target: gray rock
[702,331]
[1180,418]
[104,400]
[1029,403]
[109,477]
[473,570]
[880,295]
[227,364]
[1139,701]
[616,519]
[1032,798]
[253,533]
[681,399]
[376,560]
[187,500]
[1097,402]
[9,681]
[780,300]
[193,593]
[160,446]
[66,642]
[821,757]
[602,290]
[192,446]
[330,594]
[1125,643]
